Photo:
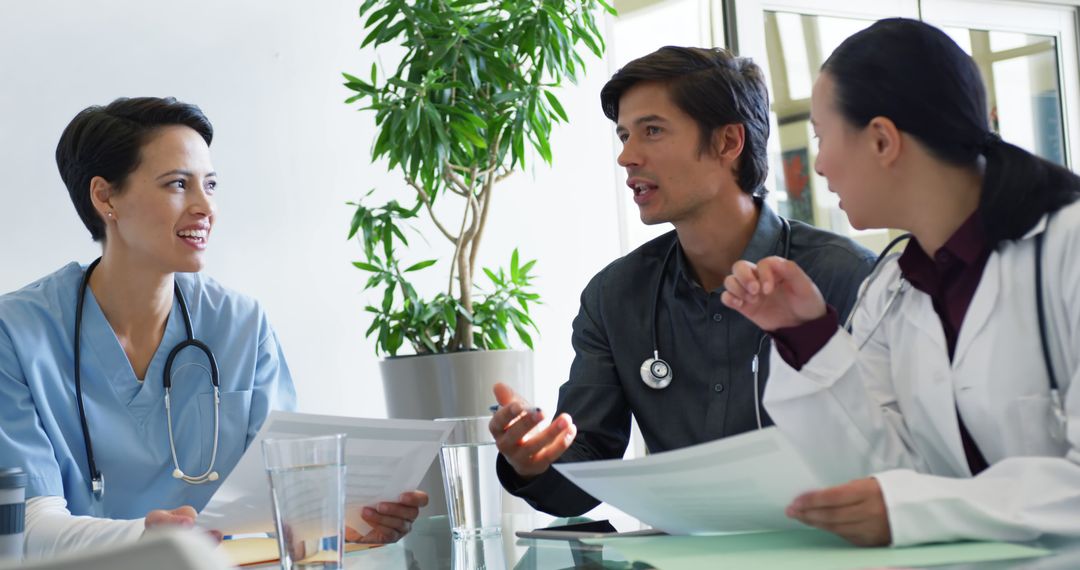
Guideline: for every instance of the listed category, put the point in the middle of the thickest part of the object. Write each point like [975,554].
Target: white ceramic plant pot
[453,385]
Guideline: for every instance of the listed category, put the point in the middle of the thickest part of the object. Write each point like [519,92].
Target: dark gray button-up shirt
[708,346]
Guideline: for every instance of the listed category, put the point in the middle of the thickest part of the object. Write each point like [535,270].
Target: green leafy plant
[476,83]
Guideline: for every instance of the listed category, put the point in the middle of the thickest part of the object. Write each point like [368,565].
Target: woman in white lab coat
[939,403]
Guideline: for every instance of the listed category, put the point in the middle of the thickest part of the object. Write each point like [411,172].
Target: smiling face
[163,215]
[851,158]
[671,179]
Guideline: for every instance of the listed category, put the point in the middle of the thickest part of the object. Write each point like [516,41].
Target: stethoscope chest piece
[656,373]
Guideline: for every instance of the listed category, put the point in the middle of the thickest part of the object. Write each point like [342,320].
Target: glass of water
[473,492]
[307,488]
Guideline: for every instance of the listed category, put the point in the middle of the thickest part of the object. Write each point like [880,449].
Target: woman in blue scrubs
[140,176]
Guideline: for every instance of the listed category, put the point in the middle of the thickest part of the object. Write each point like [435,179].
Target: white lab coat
[890,409]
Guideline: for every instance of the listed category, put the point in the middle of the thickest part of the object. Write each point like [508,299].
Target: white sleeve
[51,529]
[1015,499]
[841,408]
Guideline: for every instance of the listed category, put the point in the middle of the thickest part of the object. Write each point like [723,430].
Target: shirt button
[717,317]
[718,388]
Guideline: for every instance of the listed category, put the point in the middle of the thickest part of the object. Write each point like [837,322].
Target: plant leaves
[367,266]
[421,265]
[472,84]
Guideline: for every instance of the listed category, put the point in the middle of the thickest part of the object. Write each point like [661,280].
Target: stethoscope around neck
[656,373]
[97,479]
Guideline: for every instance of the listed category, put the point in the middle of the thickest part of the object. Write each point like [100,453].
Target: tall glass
[473,492]
[479,553]
[307,487]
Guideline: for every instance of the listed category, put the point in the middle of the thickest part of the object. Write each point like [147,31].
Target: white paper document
[740,483]
[384,458]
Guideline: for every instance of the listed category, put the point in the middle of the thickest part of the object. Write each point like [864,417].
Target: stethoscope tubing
[785,228]
[97,479]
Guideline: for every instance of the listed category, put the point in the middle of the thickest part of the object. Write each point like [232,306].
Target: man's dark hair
[714,87]
[105,141]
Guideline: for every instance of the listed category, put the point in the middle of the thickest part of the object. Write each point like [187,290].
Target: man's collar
[768,239]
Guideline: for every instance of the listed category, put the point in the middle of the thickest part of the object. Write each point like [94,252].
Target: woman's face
[163,215]
[849,158]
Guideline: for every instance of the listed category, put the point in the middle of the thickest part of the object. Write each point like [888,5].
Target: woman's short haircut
[715,88]
[106,142]
[916,76]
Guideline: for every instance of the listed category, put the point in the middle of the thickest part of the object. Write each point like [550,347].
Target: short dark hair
[716,88]
[916,76]
[106,141]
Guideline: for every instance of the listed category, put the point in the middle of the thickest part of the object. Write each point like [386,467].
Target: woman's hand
[183,517]
[389,521]
[774,294]
[856,511]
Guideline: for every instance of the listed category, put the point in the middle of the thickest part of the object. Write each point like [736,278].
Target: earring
[109,213]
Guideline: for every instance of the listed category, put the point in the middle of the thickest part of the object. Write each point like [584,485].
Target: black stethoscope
[97,480]
[656,373]
[901,288]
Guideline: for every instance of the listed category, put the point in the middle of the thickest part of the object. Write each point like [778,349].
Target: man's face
[670,177]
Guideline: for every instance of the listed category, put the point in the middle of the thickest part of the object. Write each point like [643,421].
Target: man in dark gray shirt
[694,123]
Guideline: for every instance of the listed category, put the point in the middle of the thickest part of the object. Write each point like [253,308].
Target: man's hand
[529,449]
[855,511]
[389,521]
[183,517]
[775,293]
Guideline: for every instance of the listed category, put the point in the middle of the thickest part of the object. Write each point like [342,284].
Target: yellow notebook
[253,551]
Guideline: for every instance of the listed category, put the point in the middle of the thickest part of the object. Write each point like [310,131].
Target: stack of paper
[739,483]
[384,458]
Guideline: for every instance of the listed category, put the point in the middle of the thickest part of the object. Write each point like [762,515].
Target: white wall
[289,154]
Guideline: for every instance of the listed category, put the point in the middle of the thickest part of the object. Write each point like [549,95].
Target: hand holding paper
[389,521]
[855,511]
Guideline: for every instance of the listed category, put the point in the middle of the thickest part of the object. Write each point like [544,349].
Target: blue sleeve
[273,387]
[23,441]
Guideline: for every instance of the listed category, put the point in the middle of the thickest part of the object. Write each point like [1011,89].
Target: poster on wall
[800,202]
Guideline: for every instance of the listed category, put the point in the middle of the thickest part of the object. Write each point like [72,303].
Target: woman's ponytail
[1019,188]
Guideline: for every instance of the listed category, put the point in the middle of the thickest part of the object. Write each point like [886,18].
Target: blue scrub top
[39,417]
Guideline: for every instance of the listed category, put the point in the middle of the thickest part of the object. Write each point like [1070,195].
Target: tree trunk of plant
[463,333]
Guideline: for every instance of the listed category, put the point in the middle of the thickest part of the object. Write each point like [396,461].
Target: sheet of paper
[803,549]
[739,483]
[258,551]
[384,458]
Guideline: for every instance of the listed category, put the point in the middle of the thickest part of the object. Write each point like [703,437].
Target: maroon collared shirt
[949,278]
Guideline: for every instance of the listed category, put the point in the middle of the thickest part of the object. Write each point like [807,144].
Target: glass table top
[430,547]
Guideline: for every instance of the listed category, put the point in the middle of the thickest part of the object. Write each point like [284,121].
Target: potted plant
[475,86]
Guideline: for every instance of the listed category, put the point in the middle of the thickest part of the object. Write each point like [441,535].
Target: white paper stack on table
[736,484]
[384,458]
